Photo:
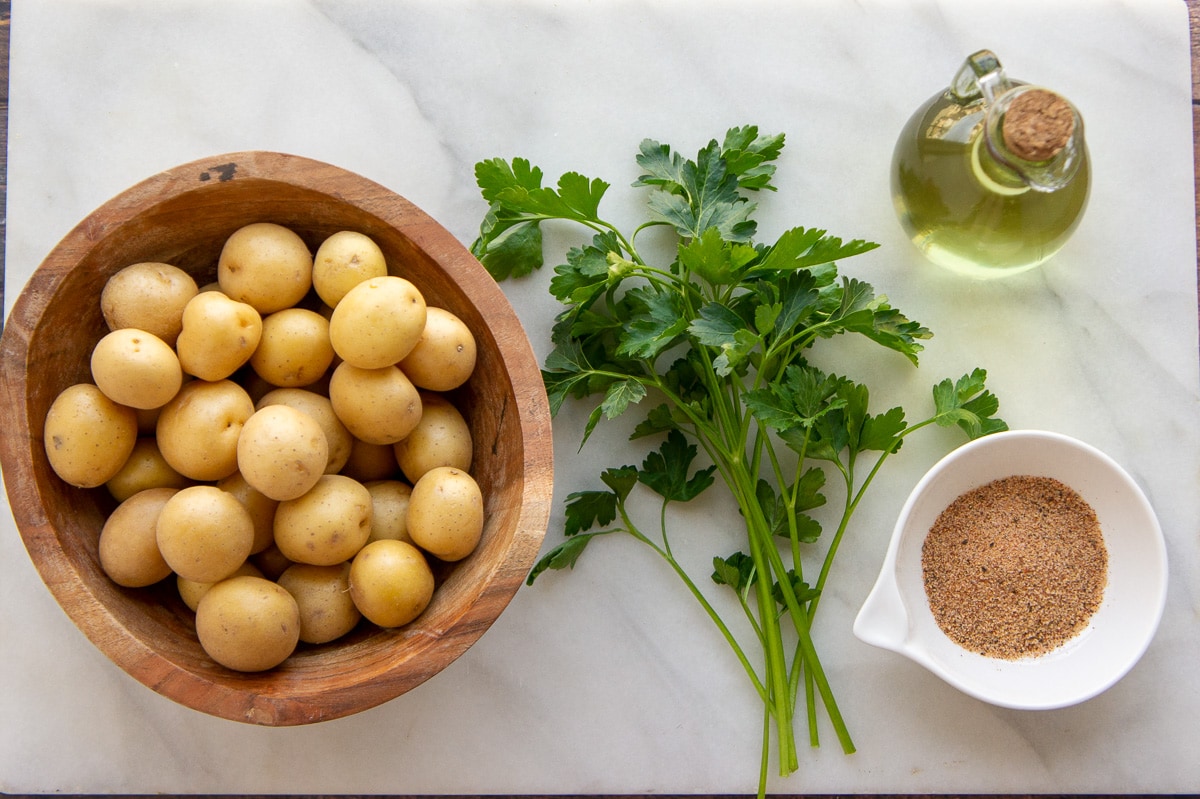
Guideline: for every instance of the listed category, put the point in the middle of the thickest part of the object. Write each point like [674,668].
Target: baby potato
[344,260]
[136,368]
[323,595]
[129,551]
[444,356]
[191,591]
[198,430]
[88,437]
[391,582]
[204,534]
[445,513]
[327,525]
[294,349]
[255,386]
[219,335]
[378,322]
[441,438]
[379,406]
[248,623]
[320,409]
[369,462]
[266,265]
[389,510]
[260,507]
[144,468]
[149,296]
[271,561]
[147,419]
[282,452]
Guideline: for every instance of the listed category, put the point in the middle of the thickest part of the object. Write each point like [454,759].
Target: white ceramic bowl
[896,615]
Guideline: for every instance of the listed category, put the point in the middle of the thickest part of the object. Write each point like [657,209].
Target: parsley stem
[600,226]
[765,759]
[738,475]
[743,315]
[662,523]
[853,498]
[633,530]
[801,621]
[814,738]
[777,671]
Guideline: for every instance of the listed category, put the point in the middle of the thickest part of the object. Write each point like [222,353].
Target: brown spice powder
[1015,568]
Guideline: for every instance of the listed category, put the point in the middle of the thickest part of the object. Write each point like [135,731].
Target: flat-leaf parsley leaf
[719,338]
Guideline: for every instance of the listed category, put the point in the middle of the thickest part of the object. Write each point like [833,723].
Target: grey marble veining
[609,679]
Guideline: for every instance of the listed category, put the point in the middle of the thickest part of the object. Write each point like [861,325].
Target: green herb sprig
[714,345]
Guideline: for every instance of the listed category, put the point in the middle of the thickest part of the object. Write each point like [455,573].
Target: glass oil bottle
[991,176]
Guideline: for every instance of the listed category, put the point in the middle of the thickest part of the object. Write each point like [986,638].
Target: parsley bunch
[715,343]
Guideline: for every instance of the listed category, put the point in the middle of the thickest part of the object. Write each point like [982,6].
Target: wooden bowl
[182,217]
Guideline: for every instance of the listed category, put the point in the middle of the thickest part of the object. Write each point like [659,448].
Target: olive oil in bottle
[991,176]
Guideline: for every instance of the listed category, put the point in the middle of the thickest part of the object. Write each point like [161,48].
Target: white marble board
[608,680]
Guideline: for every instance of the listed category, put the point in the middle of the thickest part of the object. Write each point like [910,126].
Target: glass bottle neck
[993,175]
[1052,172]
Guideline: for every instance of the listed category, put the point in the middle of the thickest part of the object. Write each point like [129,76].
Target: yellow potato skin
[327,525]
[197,431]
[323,595]
[389,510]
[88,437]
[150,296]
[128,545]
[344,260]
[318,406]
[219,335]
[369,462]
[248,623]
[294,349]
[144,468]
[263,572]
[441,438]
[191,591]
[260,507]
[378,322]
[282,452]
[445,354]
[445,513]
[271,561]
[391,582]
[379,406]
[265,265]
[136,368]
[147,419]
[204,534]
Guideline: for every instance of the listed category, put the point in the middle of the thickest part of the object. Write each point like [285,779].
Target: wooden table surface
[6,18]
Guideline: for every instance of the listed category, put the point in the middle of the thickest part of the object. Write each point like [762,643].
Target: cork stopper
[1038,125]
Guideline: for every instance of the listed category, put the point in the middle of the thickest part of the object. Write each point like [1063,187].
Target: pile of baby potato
[279,441]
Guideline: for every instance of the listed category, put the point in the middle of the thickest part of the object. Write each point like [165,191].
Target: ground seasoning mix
[1015,568]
